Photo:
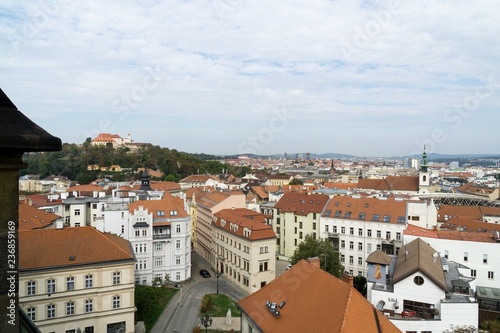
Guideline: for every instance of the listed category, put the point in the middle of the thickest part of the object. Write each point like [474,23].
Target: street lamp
[206,321]
[217,275]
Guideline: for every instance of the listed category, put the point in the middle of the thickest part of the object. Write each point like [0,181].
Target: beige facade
[206,207]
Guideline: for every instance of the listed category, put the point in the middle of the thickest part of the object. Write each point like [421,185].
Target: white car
[288,267]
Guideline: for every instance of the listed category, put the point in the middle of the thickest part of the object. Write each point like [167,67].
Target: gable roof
[379,257]
[301,203]
[54,248]
[165,205]
[315,301]
[214,198]
[244,218]
[34,218]
[418,256]
[388,210]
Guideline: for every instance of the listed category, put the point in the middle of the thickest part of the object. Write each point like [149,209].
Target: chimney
[314,261]
[348,278]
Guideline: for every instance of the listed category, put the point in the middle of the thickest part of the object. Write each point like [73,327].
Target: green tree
[360,284]
[296,181]
[323,249]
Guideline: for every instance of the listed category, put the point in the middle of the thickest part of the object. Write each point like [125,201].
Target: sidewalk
[219,323]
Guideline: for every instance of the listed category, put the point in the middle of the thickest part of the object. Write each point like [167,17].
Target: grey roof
[418,256]
[141,225]
[378,257]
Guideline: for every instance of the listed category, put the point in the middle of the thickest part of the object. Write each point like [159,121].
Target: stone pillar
[18,134]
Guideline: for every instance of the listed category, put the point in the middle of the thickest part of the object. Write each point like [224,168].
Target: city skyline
[364,78]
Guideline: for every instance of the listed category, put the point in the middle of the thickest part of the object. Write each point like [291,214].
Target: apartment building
[76,278]
[206,208]
[160,234]
[244,248]
[296,215]
[358,226]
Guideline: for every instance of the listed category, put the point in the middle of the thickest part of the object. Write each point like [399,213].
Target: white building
[74,278]
[419,292]
[160,234]
[244,248]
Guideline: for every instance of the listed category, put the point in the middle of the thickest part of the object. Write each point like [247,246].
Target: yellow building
[76,278]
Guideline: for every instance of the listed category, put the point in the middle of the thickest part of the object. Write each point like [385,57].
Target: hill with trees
[72,162]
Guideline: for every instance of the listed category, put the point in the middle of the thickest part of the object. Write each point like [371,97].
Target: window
[178,229]
[51,311]
[360,261]
[314,216]
[351,245]
[295,230]
[362,216]
[360,246]
[177,260]
[77,212]
[245,281]
[360,232]
[70,283]
[379,247]
[401,219]
[490,275]
[375,217]
[368,248]
[263,266]
[144,232]
[398,236]
[342,230]
[334,229]
[264,249]
[123,229]
[137,233]
[158,262]
[295,241]
[387,235]
[177,276]
[51,286]
[337,213]
[89,305]
[70,308]
[116,278]
[77,224]
[386,218]
[379,234]
[178,244]
[369,232]
[89,279]
[485,258]
[326,227]
[351,259]
[31,312]
[446,254]
[342,258]
[351,231]
[314,226]
[300,225]
[347,214]
[418,280]
[116,302]
[466,256]
[342,244]
[31,288]
[473,273]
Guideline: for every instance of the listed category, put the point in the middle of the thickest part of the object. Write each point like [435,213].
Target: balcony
[162,236]
[333,235]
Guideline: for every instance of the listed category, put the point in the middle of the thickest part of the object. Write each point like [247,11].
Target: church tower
[423,180]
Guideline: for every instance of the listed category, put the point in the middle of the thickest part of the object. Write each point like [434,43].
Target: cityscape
[249,167]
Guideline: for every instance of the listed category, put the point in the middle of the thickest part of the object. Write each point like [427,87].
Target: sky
[367,78]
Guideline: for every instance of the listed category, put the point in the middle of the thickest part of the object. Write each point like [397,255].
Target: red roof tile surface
[34,218]
[244,218]
[301,203]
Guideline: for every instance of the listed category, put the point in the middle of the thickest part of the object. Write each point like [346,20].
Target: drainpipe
[18,134]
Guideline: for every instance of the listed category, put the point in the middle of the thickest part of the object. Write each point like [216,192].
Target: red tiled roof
[85,188]
[244,218]
[196,179]
[315,301]
[390,183]
[39,200]
[165,205]
[389,209]
[215,198]
[33,218]
[260,191]
[341,186]
[52,248]
[302,204]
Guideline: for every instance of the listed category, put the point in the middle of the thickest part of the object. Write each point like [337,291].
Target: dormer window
[160,213]
[173,213]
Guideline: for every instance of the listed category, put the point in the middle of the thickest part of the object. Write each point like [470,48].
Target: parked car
[288,267]
[205,273]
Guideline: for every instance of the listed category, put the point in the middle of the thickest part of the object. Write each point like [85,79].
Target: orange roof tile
[85,188]
[301,203]
[215,198]
[244,218]
[390,183]
[388,211]
[165,205]
[315,301]
[196,179]
[341,186]
[38,200]
[53,248]
[34,218]
[260,191]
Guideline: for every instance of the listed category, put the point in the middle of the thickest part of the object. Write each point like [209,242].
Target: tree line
[73,159]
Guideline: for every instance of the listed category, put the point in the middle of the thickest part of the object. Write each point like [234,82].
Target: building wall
[456,251]
[291,229]
[101,294]
[422,214]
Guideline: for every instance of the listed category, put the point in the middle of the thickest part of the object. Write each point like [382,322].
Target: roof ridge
[349,298]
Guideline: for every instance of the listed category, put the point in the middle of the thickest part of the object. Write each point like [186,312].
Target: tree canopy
[324,250]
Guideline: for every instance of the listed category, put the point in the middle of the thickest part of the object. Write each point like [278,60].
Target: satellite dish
[380,305]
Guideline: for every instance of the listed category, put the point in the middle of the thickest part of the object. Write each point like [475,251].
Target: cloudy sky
[369,78]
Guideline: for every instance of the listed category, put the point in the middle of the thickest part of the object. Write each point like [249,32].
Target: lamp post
[217,275]
[206,322]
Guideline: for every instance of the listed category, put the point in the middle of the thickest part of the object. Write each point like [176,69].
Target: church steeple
[145,186]
[424,166]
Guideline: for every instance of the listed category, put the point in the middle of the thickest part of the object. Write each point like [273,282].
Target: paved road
[182,313]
